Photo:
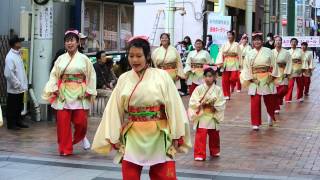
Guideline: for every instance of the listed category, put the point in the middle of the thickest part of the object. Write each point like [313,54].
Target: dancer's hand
[116,146]
[178,142]
[175,143]
[187,75]
[213,109]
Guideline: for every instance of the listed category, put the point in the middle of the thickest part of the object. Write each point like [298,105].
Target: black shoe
[21,125]
[14,128]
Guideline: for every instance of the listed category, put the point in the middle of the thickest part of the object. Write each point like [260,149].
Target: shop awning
[240,4]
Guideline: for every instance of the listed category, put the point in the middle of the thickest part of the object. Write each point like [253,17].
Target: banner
[218,26]
[313,41]
[317,3]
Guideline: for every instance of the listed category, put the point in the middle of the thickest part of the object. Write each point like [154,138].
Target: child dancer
[206,109]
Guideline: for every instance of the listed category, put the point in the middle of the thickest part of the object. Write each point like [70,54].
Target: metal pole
[277,14]
[291,17]
[32,43]
[170,19]
[315,21]
[205,21]
[222,7]
[249,12]
[304,17]
[42,52]
[31,91]
[266,17]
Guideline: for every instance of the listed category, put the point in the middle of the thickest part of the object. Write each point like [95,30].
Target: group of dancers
[145,120]
[267,73]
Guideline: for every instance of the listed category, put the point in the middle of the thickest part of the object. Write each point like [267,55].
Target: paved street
[290,150]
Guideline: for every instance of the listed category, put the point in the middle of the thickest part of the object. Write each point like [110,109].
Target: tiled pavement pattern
[290,149]
[22,167]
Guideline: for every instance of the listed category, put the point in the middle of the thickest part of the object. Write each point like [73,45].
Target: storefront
[107,24]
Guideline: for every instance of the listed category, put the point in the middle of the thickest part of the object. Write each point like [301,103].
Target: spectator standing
[17,84]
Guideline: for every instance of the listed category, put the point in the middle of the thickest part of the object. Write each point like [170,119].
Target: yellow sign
[25,57]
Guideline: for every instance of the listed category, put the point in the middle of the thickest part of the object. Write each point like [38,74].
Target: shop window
[92,26]
[110,27]
[126,14]
[107,25]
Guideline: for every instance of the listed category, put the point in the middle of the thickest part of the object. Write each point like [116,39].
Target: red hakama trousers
[192,87]
[269,101]
[299,81]
[306,84]
[161,171]
[229,79]
[237,84]
[64,132]
[281,92]
[201,141]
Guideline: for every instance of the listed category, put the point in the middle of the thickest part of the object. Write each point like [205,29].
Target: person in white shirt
[17,84]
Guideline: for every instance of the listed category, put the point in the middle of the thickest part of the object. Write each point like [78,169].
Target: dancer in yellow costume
[166,57]
[144,120]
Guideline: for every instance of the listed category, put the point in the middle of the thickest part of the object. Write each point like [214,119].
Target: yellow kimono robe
[168,60]
[194,66]
[307,64]
[244,51]
[284,62]
[230,55]
[200,112]
[264,62]
[143,142]
[296,57]
[72,95]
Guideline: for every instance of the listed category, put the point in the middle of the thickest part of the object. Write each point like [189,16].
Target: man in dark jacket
[270,41]
[106,79]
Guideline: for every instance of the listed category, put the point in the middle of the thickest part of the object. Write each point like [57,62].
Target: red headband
[138,37]
[275,36]
[257,34]
[72,31]
[244,36]
[206,66]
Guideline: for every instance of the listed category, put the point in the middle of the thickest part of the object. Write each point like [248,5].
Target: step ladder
[155,27]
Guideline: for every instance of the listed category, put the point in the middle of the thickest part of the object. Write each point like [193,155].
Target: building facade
[146,21]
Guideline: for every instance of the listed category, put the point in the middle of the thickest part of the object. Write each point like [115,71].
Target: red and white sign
[218,26]
[313,41]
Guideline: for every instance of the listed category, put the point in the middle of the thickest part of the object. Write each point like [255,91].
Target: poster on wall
[313,41]
[218,26]
[44,22]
